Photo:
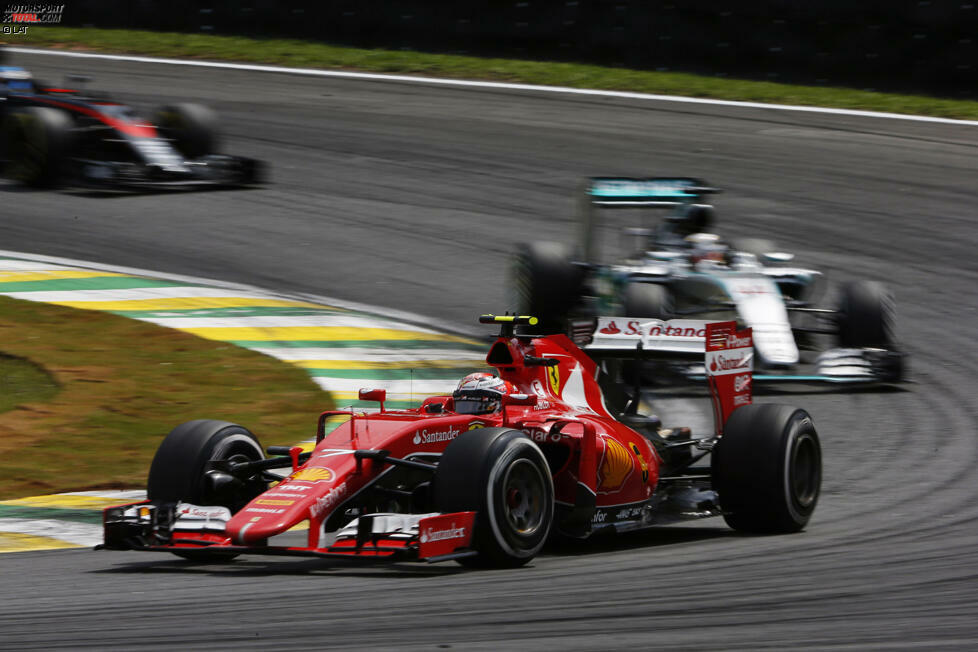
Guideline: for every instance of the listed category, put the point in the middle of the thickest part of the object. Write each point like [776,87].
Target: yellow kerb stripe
[17,542]
[67,502]
[189,303]
[52,275]
[317,333]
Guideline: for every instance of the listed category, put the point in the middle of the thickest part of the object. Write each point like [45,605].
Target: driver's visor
[476,405]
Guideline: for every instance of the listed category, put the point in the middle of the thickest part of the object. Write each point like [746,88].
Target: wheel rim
[805,471]
[524,498]
[235,449]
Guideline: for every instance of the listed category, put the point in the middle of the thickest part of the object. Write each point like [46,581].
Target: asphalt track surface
[411,197]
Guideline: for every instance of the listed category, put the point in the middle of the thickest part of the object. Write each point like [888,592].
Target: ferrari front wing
[187,528]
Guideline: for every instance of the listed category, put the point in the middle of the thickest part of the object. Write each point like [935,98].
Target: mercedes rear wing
[628,192]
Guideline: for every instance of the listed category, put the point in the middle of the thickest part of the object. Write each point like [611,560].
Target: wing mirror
[520,399]
[777,257]
[379,395]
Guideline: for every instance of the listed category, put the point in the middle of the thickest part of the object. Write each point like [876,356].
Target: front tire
[647,300]
[502,476]
[178,470]
[866,316]
[644,301]
[192,128]
[767,469]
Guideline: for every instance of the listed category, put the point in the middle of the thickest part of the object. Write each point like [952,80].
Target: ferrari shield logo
[553,375]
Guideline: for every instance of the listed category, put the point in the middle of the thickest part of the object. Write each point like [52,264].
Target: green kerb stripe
[78,515]
[93,283]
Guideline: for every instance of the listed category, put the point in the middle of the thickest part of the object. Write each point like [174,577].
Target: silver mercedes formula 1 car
[663,281]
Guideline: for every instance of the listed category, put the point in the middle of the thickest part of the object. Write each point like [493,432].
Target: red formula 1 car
[553,445]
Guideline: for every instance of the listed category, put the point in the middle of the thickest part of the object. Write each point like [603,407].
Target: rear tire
[866,316]
[177,472]
[545,284]
[192,128]
[36,143]
[767,469]
[502,476]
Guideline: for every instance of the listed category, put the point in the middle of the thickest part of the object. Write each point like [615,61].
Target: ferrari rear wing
[623,337]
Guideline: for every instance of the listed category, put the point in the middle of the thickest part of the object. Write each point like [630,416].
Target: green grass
[318,55]
[22,381]
[90,396]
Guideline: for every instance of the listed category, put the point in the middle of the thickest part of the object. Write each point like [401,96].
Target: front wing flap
[681,343]
[838,366]
[181,527]
[212,170]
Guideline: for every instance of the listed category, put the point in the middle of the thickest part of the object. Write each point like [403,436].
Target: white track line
[79,534]
[277,321]
[311,72]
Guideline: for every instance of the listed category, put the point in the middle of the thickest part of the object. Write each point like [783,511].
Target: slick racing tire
[502,476]
[177,472]
[648,301]
[36,144]
[767,469]
[191,128]
[866,315]
[545,284]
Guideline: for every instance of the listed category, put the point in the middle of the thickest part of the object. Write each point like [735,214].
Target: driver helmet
[705,246]
[481,393]
[15,78]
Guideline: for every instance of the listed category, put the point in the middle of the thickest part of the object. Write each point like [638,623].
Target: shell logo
[616,466]
[276,503]
[313,474]
[641,462]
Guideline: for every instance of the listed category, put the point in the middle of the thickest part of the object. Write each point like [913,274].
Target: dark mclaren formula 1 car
[678,270]
[52,136]
[486,475]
